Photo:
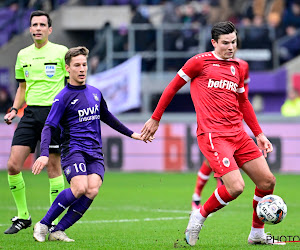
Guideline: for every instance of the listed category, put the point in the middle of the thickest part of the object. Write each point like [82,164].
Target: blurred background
[136,48]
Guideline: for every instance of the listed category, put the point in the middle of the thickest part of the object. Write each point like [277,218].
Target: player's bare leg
[233,187]
[259,172]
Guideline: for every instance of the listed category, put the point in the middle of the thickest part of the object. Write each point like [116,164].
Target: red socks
[203,176]
[256,222]
[216,201]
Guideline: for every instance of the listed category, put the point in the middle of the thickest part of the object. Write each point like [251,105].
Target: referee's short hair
[76,51]
[41,13]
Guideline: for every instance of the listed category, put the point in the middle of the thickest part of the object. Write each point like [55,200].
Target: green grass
[148,211]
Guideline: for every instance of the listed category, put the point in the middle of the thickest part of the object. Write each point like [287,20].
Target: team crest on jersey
[68,170]
[26,73]
[226,162]
[96,97]
[50,70]
[232,68]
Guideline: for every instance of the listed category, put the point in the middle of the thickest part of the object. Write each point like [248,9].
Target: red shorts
[226,153]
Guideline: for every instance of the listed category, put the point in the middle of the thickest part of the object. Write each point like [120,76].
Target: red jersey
[245,66]
[215,84]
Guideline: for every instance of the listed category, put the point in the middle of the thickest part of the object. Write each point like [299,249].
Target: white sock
[199,216]
[255,231]
[196,197]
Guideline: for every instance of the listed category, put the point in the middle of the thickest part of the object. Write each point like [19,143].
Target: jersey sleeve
[189,71]
[246,75]
[167,96]
[111,120]
[46,140]
[249,114]
[191,68]
[241,88]
[56,112]
[19,73]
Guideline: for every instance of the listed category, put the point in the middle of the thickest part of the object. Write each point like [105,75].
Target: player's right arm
[18,102]
[189,71]
[53,119]
[42,161]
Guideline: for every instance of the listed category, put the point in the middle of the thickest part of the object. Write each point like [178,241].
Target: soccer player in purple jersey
[77,109]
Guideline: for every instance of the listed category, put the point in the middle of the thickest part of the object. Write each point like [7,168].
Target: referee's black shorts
[30,127]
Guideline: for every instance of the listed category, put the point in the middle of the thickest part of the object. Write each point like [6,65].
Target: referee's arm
[20,95]
[18,102]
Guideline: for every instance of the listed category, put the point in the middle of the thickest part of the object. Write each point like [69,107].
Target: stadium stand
[179,29]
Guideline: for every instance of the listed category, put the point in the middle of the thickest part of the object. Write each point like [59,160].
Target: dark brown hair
[222,28]
[41,13]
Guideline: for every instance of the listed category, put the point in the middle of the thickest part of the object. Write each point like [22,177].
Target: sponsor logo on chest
[88,114]
[223,84]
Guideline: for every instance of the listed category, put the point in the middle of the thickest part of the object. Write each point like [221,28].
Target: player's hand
[149,129]
[39,164]
[137,136]
[9,117]
[264,144]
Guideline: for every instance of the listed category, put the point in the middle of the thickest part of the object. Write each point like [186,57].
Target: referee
[40,71]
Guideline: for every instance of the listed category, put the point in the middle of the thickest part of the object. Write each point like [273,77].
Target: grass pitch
[149,211]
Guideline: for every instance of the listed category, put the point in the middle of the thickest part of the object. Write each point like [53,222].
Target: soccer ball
[271,209]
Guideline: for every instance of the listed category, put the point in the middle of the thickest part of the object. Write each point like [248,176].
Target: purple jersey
[78,111]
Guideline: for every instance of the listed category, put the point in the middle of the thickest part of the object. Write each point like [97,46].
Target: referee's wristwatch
[12,108]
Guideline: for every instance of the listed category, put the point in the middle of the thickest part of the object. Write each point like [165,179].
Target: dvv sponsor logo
[88,114]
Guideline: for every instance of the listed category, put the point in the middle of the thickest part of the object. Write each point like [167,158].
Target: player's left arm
[250,118]
[107,117]
[246,78]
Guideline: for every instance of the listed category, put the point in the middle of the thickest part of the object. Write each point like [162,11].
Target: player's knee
[236,189]
[79,191]
[268,183]
[92,192]
[12,167]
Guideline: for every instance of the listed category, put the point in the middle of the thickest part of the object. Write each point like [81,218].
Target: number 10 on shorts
[80,167]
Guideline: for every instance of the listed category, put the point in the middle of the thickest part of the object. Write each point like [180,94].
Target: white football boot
[193,229]
[59,235]
[264,239]
[40,232]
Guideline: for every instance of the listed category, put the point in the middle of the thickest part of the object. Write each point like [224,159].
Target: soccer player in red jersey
[218,93]
[245,66]
[205,169]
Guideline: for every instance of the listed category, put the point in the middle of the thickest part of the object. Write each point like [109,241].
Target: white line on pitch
[134,220]
[125,220]
[128,208]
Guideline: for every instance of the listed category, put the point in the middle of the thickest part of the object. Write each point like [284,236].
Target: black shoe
[18,224]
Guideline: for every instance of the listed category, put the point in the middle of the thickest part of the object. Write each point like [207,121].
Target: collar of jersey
[46,45]
[76,87]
